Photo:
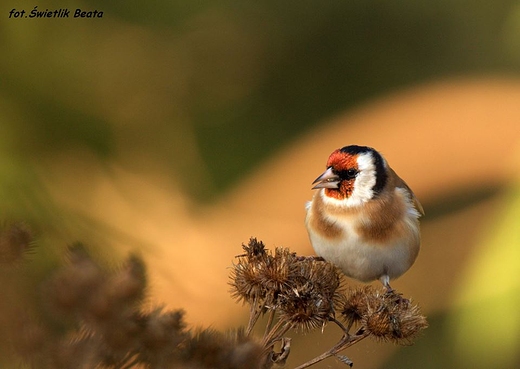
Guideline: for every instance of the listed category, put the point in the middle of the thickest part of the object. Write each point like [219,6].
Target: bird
[363,217]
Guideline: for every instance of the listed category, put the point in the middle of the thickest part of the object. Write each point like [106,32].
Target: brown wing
[399,182]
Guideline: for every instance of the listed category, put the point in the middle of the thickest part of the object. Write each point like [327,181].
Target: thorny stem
[345,342]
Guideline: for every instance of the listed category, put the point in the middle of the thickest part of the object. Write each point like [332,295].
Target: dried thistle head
[246,283]
[118,337]
[310,300]
[304,308]
[357,302]
[254,250]
[71,287]
[259,275]
[15,241]
[121,291]
[276,273]
[163,329]
[323,275]
[212,349]
[75,352]
[302,290]
[129,283]
[393,318]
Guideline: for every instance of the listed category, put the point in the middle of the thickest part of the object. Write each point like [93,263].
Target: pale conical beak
[327,180]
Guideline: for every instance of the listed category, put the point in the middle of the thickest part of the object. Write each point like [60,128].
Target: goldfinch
[364,218]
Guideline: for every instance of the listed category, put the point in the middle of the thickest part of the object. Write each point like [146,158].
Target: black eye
[348,174]
[351,173]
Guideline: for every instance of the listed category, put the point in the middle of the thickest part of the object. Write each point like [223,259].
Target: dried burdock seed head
[246,353]
[163,329]
[15,241]
[310,300]
[254,249]
[305,308]
[246,279]
[246,282]
[394,319]
[261,276]
[130,282]
[323,275]
[357,302]
[379,323]
[121,291]
[123,335]
[276,272]
[75,353]
[72,286]
[211,349]
[303,290]
[163,334]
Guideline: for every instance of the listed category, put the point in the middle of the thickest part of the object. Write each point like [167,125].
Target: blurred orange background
[178,132]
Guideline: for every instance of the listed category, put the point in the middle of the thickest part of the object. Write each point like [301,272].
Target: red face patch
[340,161]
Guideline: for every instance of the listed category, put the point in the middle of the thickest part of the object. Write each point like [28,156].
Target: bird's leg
[385,280]
[391,292]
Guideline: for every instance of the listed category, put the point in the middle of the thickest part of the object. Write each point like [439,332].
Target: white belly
[355,256]
[362,261]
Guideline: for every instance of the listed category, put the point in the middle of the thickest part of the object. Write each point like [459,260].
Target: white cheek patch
[365,180]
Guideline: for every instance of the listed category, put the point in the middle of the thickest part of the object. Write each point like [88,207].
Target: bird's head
[354,173]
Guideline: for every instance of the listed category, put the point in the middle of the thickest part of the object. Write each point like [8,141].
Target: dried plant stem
[269,324]
[254,314]
[339,324]
[346,341]
[279,329]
